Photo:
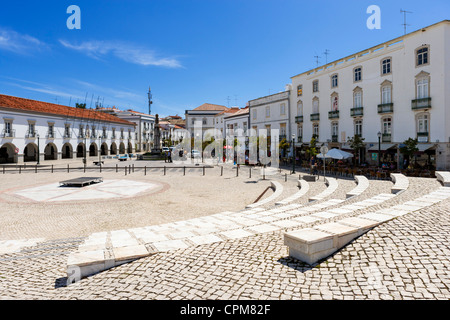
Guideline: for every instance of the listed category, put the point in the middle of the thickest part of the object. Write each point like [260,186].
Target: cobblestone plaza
[404,258]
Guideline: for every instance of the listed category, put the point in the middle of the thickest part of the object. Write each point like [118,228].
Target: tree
[356,144]
[408,149]
[80,105]
[284,145]
[311,151]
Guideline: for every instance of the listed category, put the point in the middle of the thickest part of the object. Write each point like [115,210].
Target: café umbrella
[336,154]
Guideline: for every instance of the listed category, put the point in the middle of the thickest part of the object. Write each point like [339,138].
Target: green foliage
[80,105]
[312,150]
[356,143]
[409,148]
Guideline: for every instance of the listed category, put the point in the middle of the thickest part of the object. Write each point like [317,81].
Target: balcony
[386,137]
[334,138]
[81,135]
[67,135]
[419,104]
[386,108]
[282,136]
[333,114]
[357,112]
[315,117]
[30,135]
[422,136]
[8,134]
[299,119]
[113,136]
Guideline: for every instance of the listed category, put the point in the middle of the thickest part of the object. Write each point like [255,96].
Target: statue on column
[157,137]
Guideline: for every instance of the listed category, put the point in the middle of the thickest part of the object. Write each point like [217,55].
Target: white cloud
[19,43]
[126,52]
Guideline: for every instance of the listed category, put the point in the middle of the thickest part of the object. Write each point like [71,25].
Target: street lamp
[293,155]
[38,151]
[379,149]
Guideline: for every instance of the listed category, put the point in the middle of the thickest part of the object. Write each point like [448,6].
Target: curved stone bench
[278,191]
[443,177]
[304,188]
[401,182]
[332,185]
[313,244]
[363,184]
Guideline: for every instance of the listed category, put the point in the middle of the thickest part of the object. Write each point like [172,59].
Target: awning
[384,147]
[425,146]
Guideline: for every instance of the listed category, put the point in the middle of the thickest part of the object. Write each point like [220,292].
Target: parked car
[165,149]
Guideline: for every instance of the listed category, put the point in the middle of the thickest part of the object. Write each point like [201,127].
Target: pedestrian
[169,156]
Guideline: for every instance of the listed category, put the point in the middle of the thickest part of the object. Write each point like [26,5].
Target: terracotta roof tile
[210,107]
[23,104]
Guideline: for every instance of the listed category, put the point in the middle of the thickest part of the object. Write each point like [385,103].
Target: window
[316,129]
[269,133]
[51,133]
[300,132]
[315,108]
[113,133]
[422,88]
[422,123]
[282,129]
[358,128]
[67,131]
[335,129]
[316,86]
[299,90]
[357,99]
[422,56]
[299,108]
[335,103]
[387,126]
[8,129]
[204,121]
[282,109]
[357,72]
[386,94]
[81,133]
[267,111]
[334,80]
[31,132]
[386,66]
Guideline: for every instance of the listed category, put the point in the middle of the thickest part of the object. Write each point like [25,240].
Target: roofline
[371,48]
[120,121]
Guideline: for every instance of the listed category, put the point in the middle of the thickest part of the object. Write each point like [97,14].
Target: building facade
[36,131]
[203,115]
[271,113]
[397,90]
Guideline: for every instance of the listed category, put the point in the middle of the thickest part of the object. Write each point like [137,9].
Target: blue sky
[190,52]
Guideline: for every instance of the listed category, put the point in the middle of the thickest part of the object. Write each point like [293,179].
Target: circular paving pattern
[108,189]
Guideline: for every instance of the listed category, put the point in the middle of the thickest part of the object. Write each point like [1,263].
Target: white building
[203,115]
[219,119]
[36,131]
[238,120]
[271,113]
[145,124]
[400,89]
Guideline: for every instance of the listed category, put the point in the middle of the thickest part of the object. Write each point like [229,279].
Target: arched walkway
[80,150]
[130,148]
[8,154]
[122,148]
[104,149]
[30,153]
[50,152]
[113,148]
[93,150]
[67,152]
